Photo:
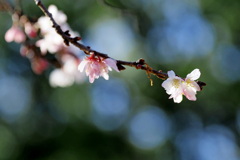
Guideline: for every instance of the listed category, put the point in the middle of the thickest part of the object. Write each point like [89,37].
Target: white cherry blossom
[52,42]
[176,87]
[67,75]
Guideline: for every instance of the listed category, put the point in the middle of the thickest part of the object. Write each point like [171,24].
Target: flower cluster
[21,30]
[52,42]
[46,40]
[96,67]
[176,87]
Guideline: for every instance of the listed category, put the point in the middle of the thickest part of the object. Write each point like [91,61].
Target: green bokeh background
[59,123]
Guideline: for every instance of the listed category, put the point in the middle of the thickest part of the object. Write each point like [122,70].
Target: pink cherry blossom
[97,66]
[39,65]
[30,29]
[15,34]
[176,86]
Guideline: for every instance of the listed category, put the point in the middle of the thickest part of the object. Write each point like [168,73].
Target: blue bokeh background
[125,117]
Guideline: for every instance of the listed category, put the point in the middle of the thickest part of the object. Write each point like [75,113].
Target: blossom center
[176,83]
[189,82]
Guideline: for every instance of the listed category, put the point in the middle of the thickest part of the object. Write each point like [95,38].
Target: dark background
[124,117]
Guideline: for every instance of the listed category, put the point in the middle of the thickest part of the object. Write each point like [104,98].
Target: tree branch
[139,64]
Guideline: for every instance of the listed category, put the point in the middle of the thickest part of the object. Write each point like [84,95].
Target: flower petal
[171,74]
[59,78]
[194,75]
[178,99]
[91,79]
[196,86]
[9,36]
[112,63]
[82,65]
[167,85]
[190,94]
[177,96]
[105,76]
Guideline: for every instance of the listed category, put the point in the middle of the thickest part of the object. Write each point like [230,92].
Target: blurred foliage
[70,123]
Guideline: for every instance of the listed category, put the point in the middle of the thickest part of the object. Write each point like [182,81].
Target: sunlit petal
[194,75]
[171,74]
[111,63]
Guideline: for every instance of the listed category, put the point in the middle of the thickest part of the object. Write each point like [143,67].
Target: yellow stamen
[176,83]
[189,83]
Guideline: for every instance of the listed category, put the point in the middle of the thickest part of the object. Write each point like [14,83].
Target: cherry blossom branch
[139,64]
[36,46]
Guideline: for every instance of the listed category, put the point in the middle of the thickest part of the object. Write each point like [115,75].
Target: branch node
[120,67]
[66,42]
[67,33]
[77,39]
[141,61]
[138,66]
[201,84]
